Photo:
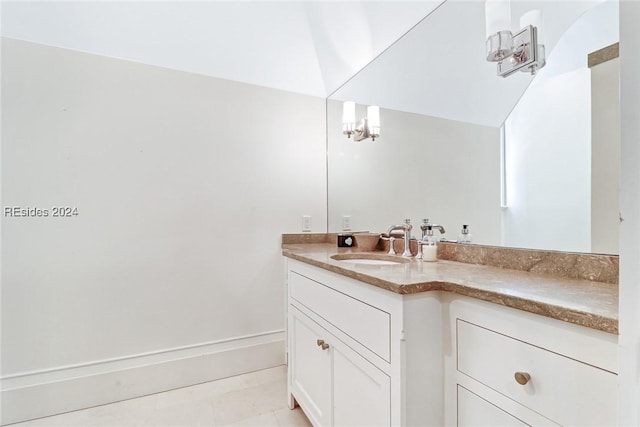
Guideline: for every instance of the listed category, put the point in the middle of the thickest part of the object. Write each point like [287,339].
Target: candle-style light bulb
[497,16]
[373,120]
[348,118]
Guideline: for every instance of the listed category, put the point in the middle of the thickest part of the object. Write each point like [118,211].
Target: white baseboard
[39,394]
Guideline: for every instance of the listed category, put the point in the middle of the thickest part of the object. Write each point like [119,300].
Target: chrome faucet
[423,227]
[406,230]
[426,223]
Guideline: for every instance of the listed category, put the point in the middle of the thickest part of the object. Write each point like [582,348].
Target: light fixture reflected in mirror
[368,127]
[522,51]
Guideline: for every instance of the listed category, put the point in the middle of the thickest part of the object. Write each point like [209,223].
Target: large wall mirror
[526,161]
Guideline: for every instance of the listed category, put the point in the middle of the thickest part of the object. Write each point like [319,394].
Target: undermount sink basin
[370,259]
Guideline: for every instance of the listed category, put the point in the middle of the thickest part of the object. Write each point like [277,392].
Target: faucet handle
[392,249]
[407,221]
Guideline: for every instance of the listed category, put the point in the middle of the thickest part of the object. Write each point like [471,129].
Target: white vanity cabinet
[360,355]
[332,382]
[509,367]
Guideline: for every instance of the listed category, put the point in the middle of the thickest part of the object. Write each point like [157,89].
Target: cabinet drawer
[364,323]
[562,389]
[473,411]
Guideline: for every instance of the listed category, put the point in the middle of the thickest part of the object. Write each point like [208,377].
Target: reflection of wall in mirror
[420,167]
[548,149]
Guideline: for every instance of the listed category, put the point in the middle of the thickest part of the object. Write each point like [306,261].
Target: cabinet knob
[322,344]
[522,378]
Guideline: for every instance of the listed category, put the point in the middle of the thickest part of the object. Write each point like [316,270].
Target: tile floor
[257,399]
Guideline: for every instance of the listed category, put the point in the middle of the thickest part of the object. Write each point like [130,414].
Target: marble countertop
[583,302]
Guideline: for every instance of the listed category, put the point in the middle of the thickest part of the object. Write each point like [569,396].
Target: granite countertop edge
[599,313]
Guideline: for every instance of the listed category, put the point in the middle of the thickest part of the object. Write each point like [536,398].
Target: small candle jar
[429,252]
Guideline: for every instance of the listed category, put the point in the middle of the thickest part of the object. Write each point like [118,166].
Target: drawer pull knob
[322,344]
[522,378]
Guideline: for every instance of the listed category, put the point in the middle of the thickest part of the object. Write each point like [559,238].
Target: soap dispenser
[465,235]
[429,246]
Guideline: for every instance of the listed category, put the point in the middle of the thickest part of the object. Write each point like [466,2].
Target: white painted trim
[131,361]
[70,388]
[629,392]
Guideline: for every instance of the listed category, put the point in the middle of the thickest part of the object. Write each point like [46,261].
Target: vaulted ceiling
[308,47]
[314,47]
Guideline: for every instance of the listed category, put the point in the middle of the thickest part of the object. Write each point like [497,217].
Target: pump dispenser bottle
[465,235]
[429,246]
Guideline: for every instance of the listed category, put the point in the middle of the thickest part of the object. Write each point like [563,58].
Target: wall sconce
[369,127]
[522,51]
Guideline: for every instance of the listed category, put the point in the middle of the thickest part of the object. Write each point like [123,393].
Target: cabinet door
[362,393]
[310,368]
[474,411]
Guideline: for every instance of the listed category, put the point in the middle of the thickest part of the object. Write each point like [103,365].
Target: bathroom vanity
[361,355]
[447,343]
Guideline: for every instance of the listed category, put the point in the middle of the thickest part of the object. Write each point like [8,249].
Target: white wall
[630,210]
[420,167]
[183,185]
